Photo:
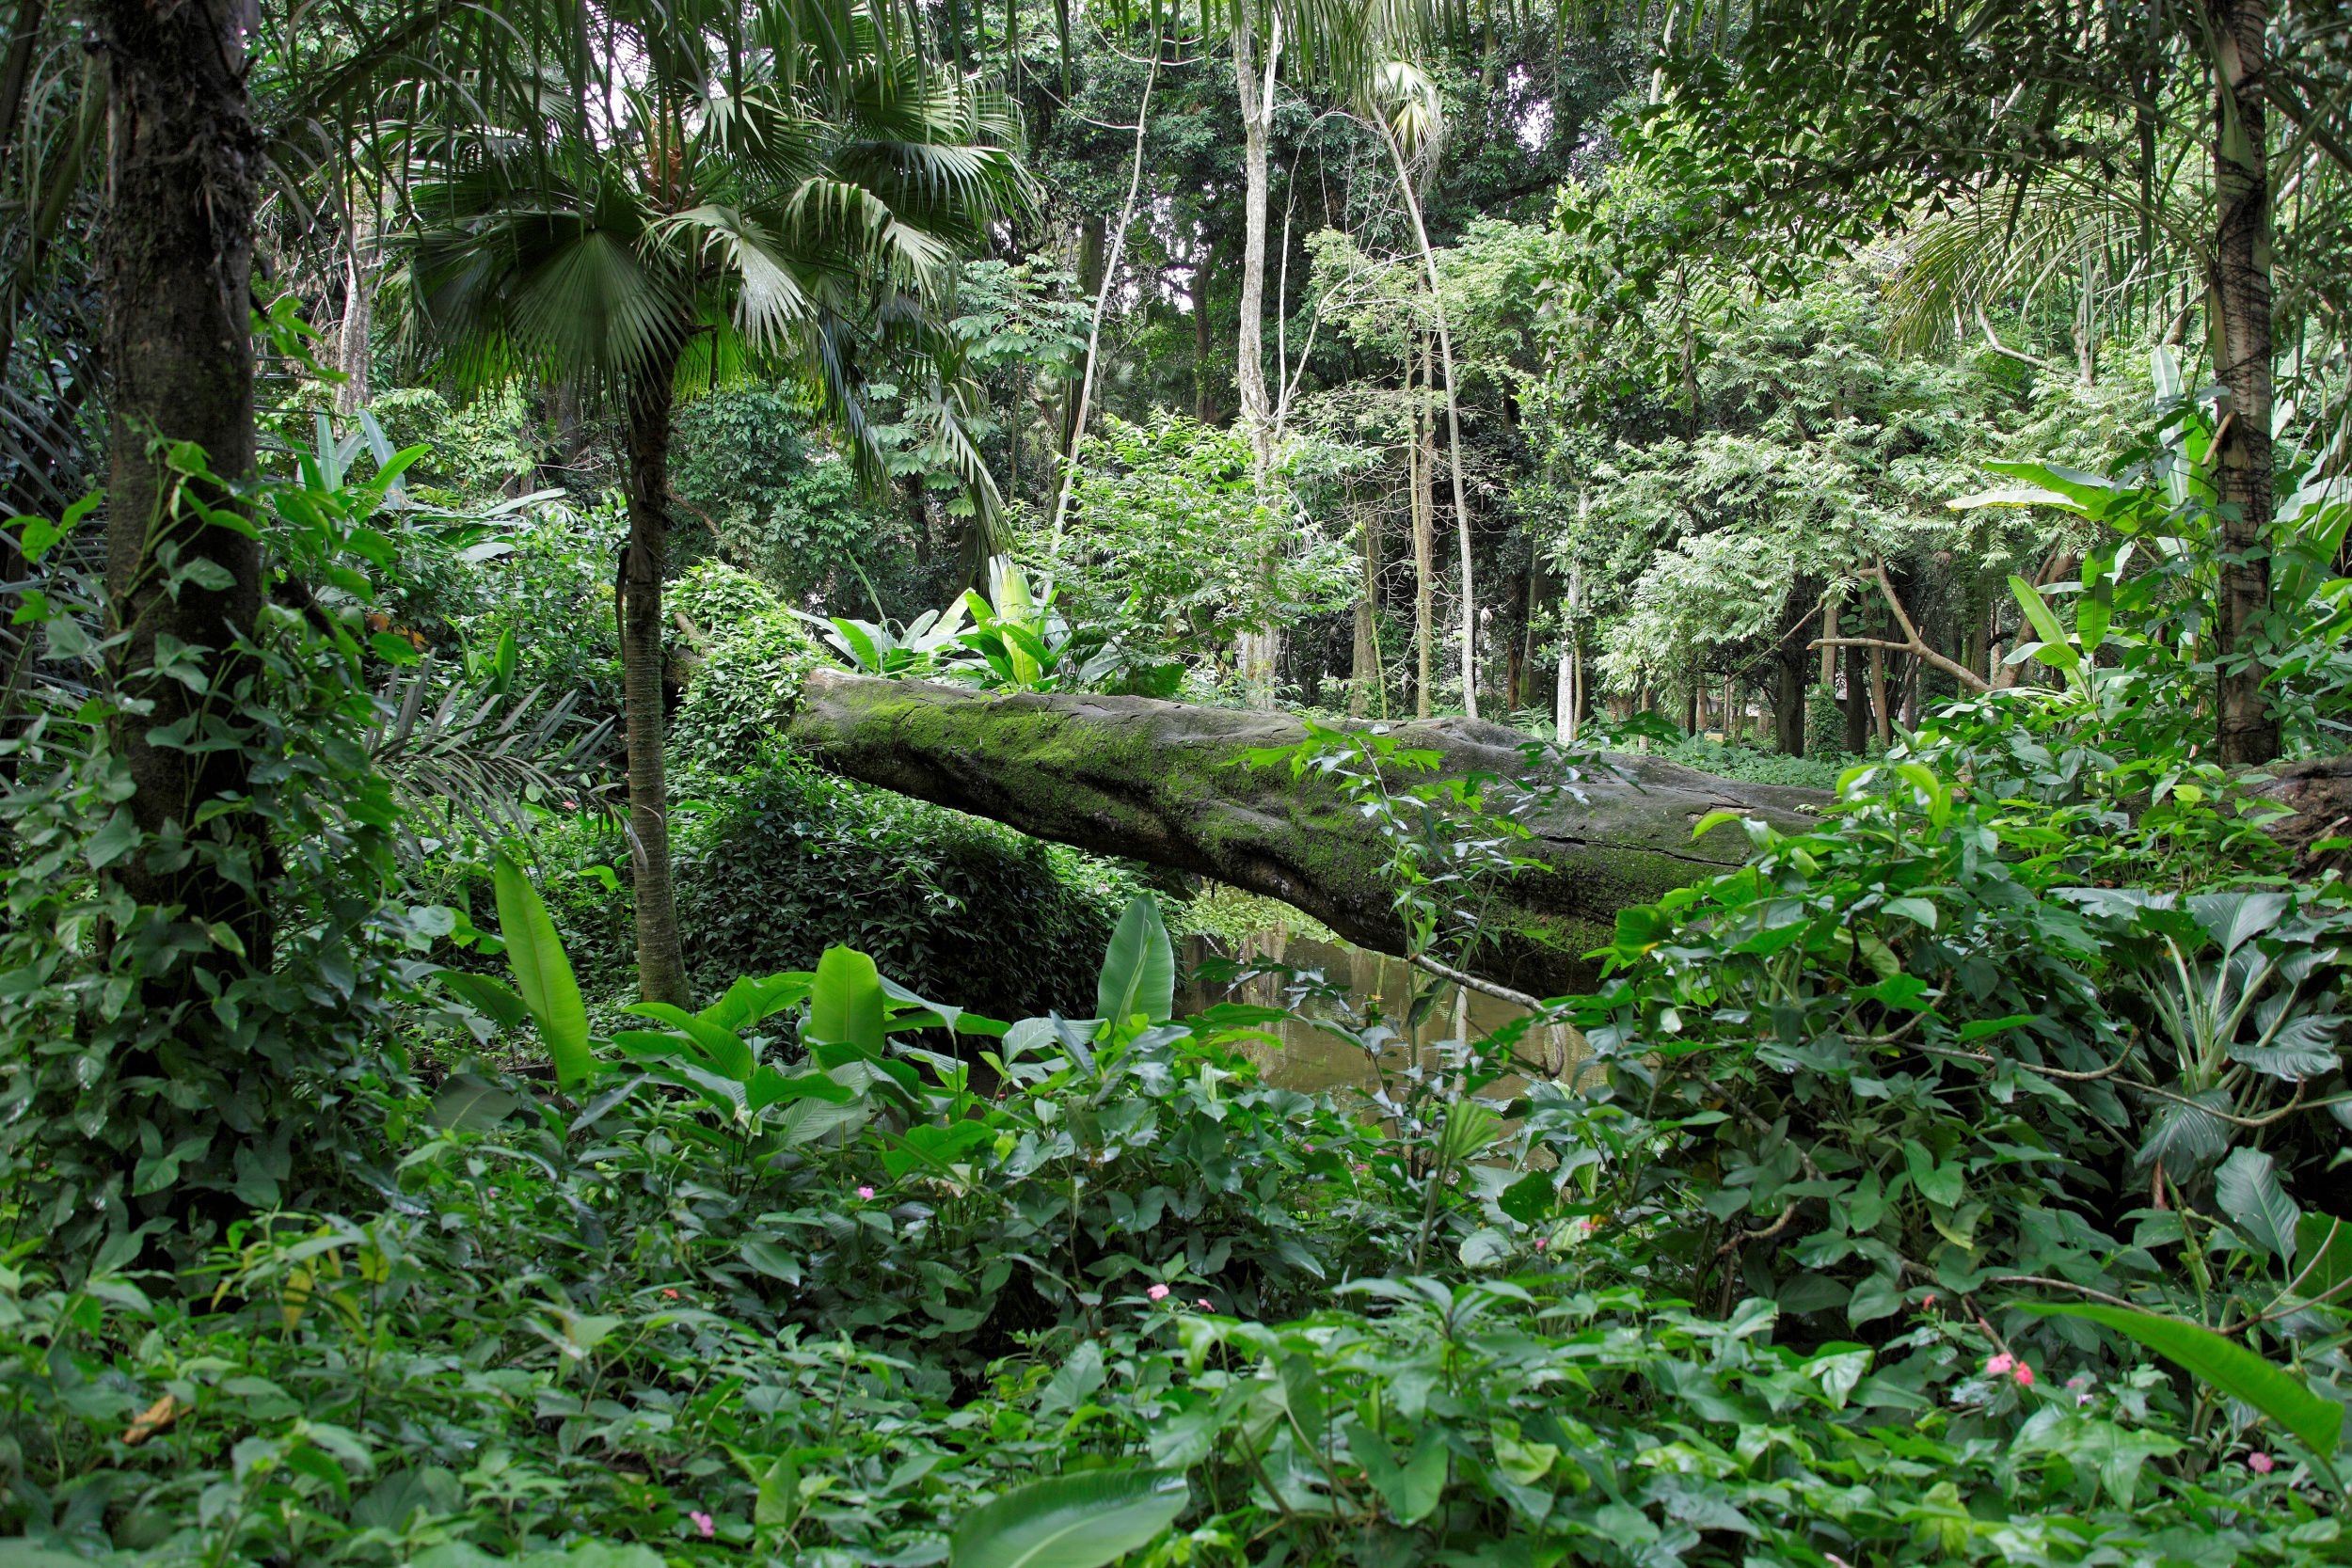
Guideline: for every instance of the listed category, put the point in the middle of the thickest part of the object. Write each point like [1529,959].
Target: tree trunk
[1857,706]
[1878,696]
[353,340]
[1366,676]
[178,262]
[1162,783]
[660,959]
[2242,303]
[1829,631]
[1422,465]
[1260,650]
[1453,425]
[1076,421]
[1204,389]
[1788,703]
[1090,260]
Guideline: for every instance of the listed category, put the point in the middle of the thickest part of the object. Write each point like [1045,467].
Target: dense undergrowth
[1958,1180]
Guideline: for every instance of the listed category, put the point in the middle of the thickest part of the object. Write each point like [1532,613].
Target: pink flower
[1158,1292]
[1205,1307]
[1362,1167]
[2024,1375]
[672,1294]
[703,1521]
[2000,1365]
[866,1192]
[1542,1242]
[2261,1464]
[1310,1149]
[1928,1301]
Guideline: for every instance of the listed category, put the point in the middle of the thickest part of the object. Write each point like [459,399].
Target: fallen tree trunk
[1166,784]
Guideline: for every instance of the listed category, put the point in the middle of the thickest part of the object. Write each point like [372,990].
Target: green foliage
[1169,535]
[162,1070]
[1818,769]
[1010,639]
[743,466]
[749,655]
[784,860]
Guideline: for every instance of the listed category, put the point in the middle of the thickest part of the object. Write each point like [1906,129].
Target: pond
[1313,1062]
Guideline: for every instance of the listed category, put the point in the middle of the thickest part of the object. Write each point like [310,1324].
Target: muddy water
[1311,1061]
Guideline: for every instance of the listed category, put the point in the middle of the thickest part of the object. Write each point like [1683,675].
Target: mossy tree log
[1168,784]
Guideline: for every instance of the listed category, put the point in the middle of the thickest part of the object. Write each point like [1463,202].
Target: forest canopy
[907,782]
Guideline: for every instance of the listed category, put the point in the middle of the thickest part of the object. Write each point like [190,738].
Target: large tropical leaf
[2226,1365]
[844,1004]
[1138,972]
[543,973]
[1085,1520]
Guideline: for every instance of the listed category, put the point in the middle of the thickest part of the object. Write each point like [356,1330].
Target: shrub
[784,860]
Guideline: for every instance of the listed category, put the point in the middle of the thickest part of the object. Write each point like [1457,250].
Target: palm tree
[789,183]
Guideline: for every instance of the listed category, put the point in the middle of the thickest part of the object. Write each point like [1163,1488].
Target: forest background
[478,1088]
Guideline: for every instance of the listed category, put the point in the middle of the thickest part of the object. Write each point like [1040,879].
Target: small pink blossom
[704,1523]
[1310,1149]
[2024,1375]
[1205,1307]
[672,1294]
[867,1193]
[2261,1464]
[1158,1292]
[1362,1167]
[1928,1301]
[1542,1242]
[2000,1365]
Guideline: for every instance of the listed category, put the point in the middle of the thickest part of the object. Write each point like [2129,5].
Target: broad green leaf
[844,1004]
[2252,1200]
[770,1086]
[1711,821]
[1140,969]
[1086,1520]
[726,1051]
[2325,1244]
[1879,1296]
[1410,1491]
[2227,1366]
[1080,1375]
[2056,650]
[2234,919]
[2023,495]
[470,1103]
[493,1000]
[542,972]
[773,1260]
[751,1001]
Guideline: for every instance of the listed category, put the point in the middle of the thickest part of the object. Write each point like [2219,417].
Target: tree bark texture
[1167,782]
[2241,297]
[1453,425]
[1260,650]
[1857,706]
[660,959]
[177,270]
[1421,466]
[353,340]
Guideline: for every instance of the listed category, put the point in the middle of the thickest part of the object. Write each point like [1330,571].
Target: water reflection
[1311,1061]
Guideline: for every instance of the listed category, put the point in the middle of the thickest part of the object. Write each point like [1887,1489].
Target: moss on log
[1167,782]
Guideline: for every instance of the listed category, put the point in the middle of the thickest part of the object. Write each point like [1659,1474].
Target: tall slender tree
[177,264]
[788,182]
